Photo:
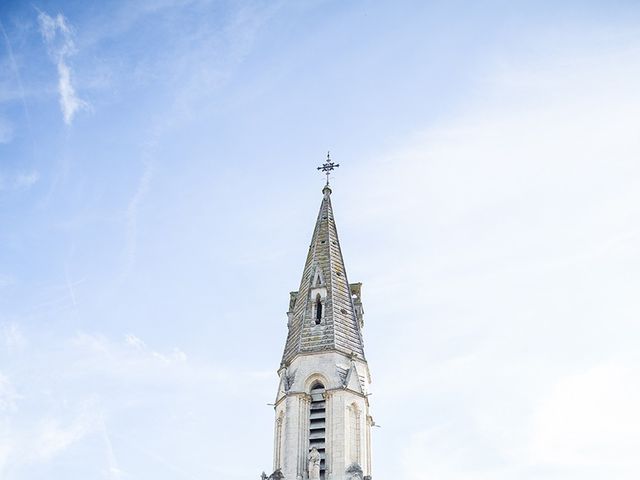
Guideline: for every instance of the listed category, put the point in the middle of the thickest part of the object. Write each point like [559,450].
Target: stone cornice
[328,392]
[356,358]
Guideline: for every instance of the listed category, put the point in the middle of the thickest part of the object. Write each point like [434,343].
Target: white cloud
[58,37]
[521,216]
[69,101]
[586,425]
[91,343]
[26,179]
[546,181]
[54,437]
[36,438]
[18,181]
[176,355]
[131,358]
[14,339]
[73,389]
[133,207]
[134,341]
[590,419]
[113,470]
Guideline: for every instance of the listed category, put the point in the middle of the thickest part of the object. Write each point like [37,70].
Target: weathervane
[328,166]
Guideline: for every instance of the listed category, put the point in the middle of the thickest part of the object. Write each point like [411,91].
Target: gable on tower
[317,278]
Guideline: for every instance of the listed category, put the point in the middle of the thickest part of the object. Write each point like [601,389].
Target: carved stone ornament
[354,472]
[277,475]
[289,378]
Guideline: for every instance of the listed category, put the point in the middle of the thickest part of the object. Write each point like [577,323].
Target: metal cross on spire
[328,166]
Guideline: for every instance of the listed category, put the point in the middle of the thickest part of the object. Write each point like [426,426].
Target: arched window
[318,309]
[317,423]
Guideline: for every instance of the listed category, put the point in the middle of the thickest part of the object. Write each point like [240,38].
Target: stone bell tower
[322,420]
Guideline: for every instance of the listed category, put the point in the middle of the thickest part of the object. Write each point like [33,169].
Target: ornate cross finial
[328,166]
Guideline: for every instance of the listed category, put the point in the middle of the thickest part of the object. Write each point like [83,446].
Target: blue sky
[158,191]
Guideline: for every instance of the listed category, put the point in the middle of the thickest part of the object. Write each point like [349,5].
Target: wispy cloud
[58,36]
[13,337]
[132,360]
[18,181]
[54,436]
[113,469]
[176,355]
[16,71]
[132,356]
[26,179]
[92,378]
[133,207]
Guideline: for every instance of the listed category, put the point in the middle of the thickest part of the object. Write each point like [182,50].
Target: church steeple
[325,312]
[322,420]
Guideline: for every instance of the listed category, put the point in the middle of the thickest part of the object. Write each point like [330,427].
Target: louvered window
[317,424]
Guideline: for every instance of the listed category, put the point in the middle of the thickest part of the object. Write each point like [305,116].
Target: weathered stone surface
[354,472]
[277,475]
[325,277]
[323,364]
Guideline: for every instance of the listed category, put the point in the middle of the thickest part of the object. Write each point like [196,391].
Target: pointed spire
[323,316]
